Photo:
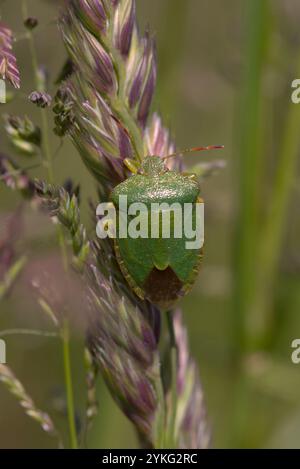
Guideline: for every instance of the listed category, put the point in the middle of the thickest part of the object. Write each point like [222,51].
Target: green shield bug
[159,263]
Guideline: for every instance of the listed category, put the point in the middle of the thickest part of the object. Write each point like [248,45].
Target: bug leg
[192,176]
[132,165]
[202,170]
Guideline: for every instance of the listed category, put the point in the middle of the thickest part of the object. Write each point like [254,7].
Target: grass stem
[249,168]
[275,224]
[48,158]
[69,385]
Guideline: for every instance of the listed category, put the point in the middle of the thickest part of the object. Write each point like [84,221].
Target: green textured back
[157,187]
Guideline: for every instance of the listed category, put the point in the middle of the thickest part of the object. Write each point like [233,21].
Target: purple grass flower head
[8,63]
[193,429]
[92,14]
[23,134]
[158,142]
[141,78]
[111,92]
[63,110]
[148,86]
[102,69]
[124,23]
[112,87]
[41,99]
[15,178]
[123,343]
[9,235]
[102,140]
[63,206]
[158,138]
[26,402]
[11,263]
[89,55]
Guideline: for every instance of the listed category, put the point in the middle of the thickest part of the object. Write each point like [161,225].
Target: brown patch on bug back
[163,287]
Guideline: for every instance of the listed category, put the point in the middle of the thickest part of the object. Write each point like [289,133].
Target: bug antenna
[190,150]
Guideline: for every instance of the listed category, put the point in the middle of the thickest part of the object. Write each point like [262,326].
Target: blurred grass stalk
[48,161]
[248,177]
[259,235]
[273,231]
[11,275]
[173,25]
[249,173]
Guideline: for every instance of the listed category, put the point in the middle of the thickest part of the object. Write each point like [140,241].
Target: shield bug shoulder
[161,262]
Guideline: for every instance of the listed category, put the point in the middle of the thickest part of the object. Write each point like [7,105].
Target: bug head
[155,165]
[151,165]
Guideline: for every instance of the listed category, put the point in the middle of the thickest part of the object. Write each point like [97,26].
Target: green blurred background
[225,74]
